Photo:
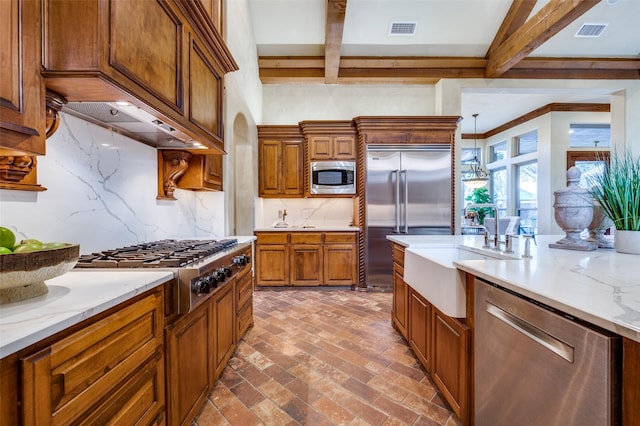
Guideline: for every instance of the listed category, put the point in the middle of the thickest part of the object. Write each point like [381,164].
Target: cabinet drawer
[331,237]
[306,238]
[272,237]
[69,378]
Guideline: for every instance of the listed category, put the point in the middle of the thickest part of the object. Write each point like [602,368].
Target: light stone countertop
[601,287]
[72,298]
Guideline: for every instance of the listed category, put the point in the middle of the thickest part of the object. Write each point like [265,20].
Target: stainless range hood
[133,122]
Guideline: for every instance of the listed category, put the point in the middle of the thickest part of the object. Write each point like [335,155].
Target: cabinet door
[213,171]
[22,93]
[320,148]
[400,300]
[270,168]
[272,265]
[292,168]
[86,374]
[223,325]
[340,264]
[188,366]
[450,360]
[420,328]
[205,92]
[344,148]
[306,265]
[152,59]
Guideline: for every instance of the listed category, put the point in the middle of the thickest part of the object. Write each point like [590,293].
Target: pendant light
[475,177]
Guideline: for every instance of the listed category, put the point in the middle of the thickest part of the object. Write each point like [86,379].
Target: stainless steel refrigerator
[408,191]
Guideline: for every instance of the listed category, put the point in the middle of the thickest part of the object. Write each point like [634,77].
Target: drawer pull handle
[534,333]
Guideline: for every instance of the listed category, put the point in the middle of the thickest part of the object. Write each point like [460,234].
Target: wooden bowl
[22,275]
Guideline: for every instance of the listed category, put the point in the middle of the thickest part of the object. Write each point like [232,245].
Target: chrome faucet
[495,212]
[284,215]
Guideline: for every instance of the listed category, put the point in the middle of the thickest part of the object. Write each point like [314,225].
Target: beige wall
[290,104]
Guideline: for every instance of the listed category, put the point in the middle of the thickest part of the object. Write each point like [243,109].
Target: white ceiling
[449,28]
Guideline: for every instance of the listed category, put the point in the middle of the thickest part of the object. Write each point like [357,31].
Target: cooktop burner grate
[156,254]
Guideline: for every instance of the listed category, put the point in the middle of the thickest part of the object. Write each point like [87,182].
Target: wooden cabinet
[223,327]
[280,162]
[244,304]
[204,173]
[450,363]
[330,140]
[189,368]
[400,308]
[419,331]
[22,110]
[306,258]
[272,259]
[332,148]
[110,370]
[340,258]
[441,343]
[172,65]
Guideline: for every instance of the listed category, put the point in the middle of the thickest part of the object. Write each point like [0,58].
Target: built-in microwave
[333,177]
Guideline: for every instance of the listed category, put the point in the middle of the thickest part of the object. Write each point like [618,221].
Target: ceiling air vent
[403,28]
[591,30]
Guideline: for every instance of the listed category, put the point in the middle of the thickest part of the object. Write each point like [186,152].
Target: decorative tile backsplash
[101,193]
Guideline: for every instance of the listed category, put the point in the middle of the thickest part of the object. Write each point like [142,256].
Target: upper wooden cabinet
[438,129]
[166,57]
[204,173]
[22,94]
[280,161]
[330,140]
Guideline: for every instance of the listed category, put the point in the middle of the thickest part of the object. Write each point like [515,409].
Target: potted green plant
[480,196]
[617,190]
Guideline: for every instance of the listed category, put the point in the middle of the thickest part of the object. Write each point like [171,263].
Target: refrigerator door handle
[396,199]
[406,200]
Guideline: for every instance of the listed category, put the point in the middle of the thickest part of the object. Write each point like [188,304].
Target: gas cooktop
[156,254]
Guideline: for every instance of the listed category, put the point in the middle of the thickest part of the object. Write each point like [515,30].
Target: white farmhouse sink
[431,272]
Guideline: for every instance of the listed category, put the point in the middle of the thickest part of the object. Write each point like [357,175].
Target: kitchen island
[599,290]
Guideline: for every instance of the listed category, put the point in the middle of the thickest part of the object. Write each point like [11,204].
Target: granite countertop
[310,228]
[72,298]
[601,287]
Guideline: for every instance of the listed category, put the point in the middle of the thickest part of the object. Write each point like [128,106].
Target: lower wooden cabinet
[400,311]
[223,327]
[450,361]
[244,304]
[420,332]
[441,343]
[188,366]
[109,371]
[306,258]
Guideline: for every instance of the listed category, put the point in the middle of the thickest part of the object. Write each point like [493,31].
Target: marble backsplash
[101,193]
[304,211]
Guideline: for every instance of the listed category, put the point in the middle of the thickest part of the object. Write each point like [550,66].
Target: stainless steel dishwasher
[536,366]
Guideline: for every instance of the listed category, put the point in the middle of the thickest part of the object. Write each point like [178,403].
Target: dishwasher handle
[534,333]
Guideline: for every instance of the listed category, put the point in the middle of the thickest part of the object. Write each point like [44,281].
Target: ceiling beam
[549,20]
[515,18]
[336,10]
[429,70]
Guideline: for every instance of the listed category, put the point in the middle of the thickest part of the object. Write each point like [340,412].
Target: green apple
[7,238]
[26,248]
[53,245]
[4,250]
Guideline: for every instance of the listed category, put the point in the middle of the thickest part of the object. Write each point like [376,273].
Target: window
[589,135]
[467,155]
[527,143]
[589,163]
[498,151]
[499,190]
[527,195]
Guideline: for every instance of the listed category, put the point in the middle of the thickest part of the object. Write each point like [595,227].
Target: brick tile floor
[324,357]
